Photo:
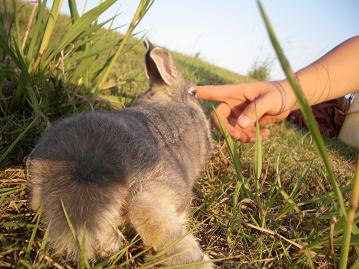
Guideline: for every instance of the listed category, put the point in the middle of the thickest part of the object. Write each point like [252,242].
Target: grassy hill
[283,219]
[64,95]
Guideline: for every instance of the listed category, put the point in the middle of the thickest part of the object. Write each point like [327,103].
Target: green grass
[267,205]
[251,230]
[349,222]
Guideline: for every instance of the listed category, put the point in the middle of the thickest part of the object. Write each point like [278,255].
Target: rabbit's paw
[208,265]
[180,257]
[109,247]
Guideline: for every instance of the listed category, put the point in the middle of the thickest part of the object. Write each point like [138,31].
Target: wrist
[288,99]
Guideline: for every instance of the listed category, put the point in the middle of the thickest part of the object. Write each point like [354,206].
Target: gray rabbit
[135,166]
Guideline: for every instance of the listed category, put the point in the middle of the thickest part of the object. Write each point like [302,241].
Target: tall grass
[349,221]
[57,73]
[142,9]
[314,130]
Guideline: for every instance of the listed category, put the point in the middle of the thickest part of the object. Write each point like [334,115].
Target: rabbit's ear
[148,45]
[160,67]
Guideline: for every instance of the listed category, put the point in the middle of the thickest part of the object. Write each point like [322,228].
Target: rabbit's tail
[82,218]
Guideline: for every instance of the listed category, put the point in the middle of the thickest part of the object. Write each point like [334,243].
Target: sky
[231,33]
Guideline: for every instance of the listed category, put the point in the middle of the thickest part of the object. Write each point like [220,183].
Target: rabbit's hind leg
[35,170]
[99,235]
[153,214]
[107,239]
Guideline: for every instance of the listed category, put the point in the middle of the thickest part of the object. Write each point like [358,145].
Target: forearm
[333,75]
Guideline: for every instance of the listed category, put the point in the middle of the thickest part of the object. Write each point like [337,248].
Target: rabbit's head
[166,82]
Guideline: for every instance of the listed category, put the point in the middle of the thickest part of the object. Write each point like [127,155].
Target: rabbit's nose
[192,91]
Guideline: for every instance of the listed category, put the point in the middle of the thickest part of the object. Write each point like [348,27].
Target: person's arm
[333,75]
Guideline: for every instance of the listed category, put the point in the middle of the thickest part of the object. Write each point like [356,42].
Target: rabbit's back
[182,136]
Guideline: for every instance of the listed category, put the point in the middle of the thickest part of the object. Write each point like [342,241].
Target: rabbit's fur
[137,165]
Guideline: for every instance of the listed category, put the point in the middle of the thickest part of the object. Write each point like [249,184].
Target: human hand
[243,103]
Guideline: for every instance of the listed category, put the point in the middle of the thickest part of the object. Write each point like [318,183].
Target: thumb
[255,110]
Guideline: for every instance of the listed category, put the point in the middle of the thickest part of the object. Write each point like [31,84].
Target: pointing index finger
[211,92]
[208,92]
[218,92]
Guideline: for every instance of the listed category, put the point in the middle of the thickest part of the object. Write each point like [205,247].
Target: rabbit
[135,166]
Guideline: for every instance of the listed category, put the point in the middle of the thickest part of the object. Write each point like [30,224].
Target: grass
[348,221]
[260,70]
[255,230]
[265,205]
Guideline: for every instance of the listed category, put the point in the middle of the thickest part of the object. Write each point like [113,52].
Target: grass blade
[41,251]
[69,223]
[73,10]
[49,29]
[36,31]
[83,263]
[258,162]
[231,147]
[305,108]
[349,220]
[233,152]
[16,35]
[141,10]
[33,234]
[28,26]
[17,140]
[81,27]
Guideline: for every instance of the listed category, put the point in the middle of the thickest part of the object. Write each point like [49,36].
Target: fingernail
[243,121]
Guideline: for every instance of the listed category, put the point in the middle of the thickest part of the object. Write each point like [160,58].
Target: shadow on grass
[56,100]
[333,144]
